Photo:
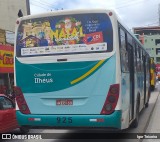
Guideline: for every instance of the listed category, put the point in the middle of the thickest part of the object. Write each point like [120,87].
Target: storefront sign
[6,59]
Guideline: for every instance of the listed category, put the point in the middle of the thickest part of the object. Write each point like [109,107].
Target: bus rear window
[65,34]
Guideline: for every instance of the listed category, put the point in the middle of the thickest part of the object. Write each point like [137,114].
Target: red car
[8,120]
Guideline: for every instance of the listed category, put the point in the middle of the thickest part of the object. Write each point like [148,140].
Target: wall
[9,12]
[152,45]
[2,37]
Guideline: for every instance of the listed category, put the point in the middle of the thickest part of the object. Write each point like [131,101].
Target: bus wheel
[152,87]
[24,130]
[146,105]
[136,120]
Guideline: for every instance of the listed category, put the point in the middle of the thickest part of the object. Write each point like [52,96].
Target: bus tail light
[21,100]
[111,100]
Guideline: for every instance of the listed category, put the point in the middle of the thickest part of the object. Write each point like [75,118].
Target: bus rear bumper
[70,121]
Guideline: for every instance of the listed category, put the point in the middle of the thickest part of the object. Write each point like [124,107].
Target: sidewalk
[145,117]
[154,124]
[148,112]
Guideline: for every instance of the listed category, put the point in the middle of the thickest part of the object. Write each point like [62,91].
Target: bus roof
[65,12]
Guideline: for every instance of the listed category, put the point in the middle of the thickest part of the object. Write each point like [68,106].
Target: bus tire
[152,87]
[24,130]
[147,104]
[136,120]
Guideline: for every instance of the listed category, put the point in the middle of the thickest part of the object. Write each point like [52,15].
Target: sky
[134,13]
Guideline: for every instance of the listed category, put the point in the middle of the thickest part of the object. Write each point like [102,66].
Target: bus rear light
[114,90]
[20,99]
[23,107]
[17,92]
[108,107]
[21,102]
[97,120]
[34,119]
[111,100]
[30,119]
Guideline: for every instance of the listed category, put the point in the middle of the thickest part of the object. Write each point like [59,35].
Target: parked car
[8,120]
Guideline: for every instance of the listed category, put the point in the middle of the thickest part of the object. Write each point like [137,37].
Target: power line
[44,3]
[39,6]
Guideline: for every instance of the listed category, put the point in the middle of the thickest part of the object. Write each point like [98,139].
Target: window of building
[158,51]
[157,42]
[158,59]
[148,49]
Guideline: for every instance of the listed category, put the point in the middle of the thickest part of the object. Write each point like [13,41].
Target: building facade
[9,12]
[150,38]
[6,67]
[2,37]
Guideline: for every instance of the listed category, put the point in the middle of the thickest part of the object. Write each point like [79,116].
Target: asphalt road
[98,135]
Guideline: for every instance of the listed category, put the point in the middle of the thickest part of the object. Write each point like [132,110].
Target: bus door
[131,75]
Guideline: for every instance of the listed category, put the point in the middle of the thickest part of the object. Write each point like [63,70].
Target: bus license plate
[64,102]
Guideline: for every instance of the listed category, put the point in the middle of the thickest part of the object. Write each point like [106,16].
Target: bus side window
[123,52]
[147,66]
[141,60]
[138,59]
[135,57]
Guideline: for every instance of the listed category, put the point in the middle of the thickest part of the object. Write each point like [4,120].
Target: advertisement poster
[6,59]
[66,34]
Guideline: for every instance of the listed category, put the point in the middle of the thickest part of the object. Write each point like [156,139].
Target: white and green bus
[79,68]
